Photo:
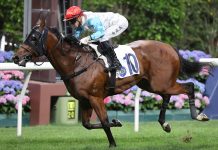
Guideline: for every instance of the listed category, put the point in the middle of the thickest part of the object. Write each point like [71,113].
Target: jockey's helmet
[72,13]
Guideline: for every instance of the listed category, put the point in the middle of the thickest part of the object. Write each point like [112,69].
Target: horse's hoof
[112,145]
[202,117]
[166,127]
[116,123]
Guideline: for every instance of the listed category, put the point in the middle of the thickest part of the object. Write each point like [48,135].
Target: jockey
[103,26]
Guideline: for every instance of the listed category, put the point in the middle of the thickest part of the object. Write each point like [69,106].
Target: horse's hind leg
[144,84]
[187,88]
[190,92]
[165,125]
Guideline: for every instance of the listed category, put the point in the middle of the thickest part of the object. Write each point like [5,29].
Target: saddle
[124,53]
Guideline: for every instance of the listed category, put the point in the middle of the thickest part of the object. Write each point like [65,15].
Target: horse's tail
[190,68]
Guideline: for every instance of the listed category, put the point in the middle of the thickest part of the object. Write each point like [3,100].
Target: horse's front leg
[99,107]
[165,125]
[86,115]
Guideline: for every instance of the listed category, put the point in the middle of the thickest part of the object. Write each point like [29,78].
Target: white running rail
[30,67]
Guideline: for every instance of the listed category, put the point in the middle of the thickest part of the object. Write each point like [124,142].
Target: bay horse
[85,79]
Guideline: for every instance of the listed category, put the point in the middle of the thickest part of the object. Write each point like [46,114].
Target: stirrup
[110,69]
[113,68]
[117,65]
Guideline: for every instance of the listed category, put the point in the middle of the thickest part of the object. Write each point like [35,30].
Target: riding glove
[85,40]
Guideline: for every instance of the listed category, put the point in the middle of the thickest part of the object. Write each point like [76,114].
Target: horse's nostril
[15,59]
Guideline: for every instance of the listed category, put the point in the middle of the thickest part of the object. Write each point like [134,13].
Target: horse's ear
[41,21]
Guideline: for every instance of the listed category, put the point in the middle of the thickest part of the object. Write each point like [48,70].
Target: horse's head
[34,46]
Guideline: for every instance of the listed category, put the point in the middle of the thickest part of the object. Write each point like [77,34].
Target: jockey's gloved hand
[85,40]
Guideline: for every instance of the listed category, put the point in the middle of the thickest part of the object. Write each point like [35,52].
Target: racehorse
[86,80]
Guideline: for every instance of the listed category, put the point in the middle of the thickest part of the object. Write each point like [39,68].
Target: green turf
[185,135]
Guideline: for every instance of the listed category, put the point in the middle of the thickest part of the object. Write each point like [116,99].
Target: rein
[84,69]
[74,74]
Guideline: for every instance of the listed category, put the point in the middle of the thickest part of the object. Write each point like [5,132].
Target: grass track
[204,136]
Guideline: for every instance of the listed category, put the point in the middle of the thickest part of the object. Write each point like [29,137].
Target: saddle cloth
[127,58]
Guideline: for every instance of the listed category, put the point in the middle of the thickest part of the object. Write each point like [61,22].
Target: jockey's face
[76,22]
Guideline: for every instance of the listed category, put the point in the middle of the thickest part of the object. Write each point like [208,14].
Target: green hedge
[182,23]
[11,19]
[150,19]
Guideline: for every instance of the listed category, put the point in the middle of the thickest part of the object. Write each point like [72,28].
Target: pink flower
[130,95]
[198,95]
[204,71]
[119,98]
[197,103]
[27,98]
[10,97]
[158,97]
[178,105]
[18,74]
[183,96]
[127,98]
[128,102]
[107,100]
[145,93]
[206,100]
[6,77]
[3,100]
[24,102]
[174,98]
[177,99]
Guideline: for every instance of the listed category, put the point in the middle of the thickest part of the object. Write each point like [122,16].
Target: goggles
[73,21]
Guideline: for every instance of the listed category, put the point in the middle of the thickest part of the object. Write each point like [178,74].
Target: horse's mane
[55,31]
[73,41]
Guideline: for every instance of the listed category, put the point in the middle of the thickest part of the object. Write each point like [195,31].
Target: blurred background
[189,26]
[184,24]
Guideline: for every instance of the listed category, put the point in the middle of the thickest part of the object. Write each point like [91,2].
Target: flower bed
[150,101]
[10,88]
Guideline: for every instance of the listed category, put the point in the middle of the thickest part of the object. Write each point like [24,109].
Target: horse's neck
[63,63]
[66,62]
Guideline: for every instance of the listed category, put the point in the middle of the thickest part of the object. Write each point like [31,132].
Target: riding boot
[108,51]
[115,61]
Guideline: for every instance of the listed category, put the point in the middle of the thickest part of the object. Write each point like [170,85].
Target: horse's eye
[33,38]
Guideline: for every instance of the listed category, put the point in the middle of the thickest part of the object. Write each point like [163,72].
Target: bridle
[36,40]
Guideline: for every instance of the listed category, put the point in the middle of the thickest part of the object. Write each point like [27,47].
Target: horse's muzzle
[21,62]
